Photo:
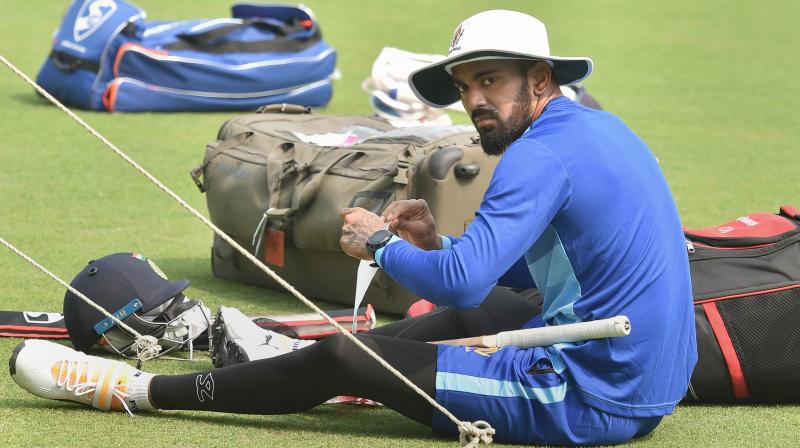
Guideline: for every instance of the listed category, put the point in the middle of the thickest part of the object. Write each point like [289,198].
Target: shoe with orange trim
[57,372]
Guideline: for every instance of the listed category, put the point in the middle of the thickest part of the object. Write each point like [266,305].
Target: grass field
[709,85]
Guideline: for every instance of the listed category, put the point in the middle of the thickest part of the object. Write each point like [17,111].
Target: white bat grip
[543,336]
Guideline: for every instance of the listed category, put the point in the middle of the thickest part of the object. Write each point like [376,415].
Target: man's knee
[339,350]
[334,346]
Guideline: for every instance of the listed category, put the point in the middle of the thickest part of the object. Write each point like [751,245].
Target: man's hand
[359,224]
[412,221]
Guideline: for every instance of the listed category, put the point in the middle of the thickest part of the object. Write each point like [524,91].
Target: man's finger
[395,225]
[389,210]
[349,215]
[398,208]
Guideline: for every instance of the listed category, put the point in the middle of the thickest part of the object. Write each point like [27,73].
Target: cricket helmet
[131,287]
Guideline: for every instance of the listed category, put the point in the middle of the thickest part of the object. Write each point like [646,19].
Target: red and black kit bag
[746,287]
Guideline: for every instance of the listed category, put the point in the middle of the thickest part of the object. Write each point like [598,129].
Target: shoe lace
[69,378]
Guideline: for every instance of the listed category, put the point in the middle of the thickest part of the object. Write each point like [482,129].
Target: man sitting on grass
[577,206]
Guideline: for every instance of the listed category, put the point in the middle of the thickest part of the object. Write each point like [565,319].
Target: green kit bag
[274,181]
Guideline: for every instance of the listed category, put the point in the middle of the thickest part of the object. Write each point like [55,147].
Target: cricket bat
[544,336]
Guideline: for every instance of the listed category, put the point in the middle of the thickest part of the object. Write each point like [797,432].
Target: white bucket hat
[496,34]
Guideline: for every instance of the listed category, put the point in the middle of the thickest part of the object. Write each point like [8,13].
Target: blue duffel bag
[106,57]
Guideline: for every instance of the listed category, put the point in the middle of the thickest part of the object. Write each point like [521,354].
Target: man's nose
[473,99]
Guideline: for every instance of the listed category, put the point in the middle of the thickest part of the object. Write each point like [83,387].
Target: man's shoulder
[574,129]
[567,116]
[530,159]
[528,146]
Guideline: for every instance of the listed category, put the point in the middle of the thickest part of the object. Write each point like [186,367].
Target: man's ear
[539,77]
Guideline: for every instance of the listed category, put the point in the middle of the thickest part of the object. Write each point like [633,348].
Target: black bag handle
[216,33]
[205,41]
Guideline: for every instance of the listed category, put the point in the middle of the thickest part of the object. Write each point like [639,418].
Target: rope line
[146,347]
[470,433]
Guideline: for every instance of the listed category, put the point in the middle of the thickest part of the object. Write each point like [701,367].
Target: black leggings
[334,366]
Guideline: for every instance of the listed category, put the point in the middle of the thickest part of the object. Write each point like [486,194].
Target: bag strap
[277,216]
[309,191]
[230,143]
[208,41]
[68,63]
[405,173]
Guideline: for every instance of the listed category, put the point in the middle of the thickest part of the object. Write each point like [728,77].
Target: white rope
[471,435]
[146,347]
[472,431]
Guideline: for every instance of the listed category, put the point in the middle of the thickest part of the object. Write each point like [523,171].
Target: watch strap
[379,252]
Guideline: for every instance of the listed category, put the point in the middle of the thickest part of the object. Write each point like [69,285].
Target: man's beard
[494,141]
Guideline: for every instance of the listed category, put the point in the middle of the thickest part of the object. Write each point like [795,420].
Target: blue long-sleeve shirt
[580,203]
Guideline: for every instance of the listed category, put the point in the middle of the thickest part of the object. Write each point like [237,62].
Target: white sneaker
[57,372]
[237,339]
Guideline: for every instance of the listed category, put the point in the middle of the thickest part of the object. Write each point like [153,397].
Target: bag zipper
[718,298]
[711,252]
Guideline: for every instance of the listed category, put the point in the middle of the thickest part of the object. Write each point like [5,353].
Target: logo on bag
[748,221]
[91,16]
[205,387]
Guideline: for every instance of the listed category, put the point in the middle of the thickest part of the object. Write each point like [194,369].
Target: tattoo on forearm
[356,236]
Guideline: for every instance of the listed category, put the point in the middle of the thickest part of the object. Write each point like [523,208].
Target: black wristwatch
[378,240]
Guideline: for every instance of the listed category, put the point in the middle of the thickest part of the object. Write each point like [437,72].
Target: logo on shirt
[483,351]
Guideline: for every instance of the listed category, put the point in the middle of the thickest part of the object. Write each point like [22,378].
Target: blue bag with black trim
[106,57]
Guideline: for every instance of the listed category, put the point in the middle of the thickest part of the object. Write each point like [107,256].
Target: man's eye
[487,81]
[460,88]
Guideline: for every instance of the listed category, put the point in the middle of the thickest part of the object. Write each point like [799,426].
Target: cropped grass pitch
[710,86]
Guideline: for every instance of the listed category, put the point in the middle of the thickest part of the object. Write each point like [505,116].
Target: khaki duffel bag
[275,180]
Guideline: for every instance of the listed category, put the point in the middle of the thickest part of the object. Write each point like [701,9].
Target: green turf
[709,85]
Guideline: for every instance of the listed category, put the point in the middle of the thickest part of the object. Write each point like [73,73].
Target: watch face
[378,238]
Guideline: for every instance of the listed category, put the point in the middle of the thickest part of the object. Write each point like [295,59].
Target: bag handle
[280,29]
[230,143]
[208,41]
[284,108]
[790,212]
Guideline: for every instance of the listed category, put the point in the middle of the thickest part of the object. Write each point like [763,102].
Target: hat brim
[433,85]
